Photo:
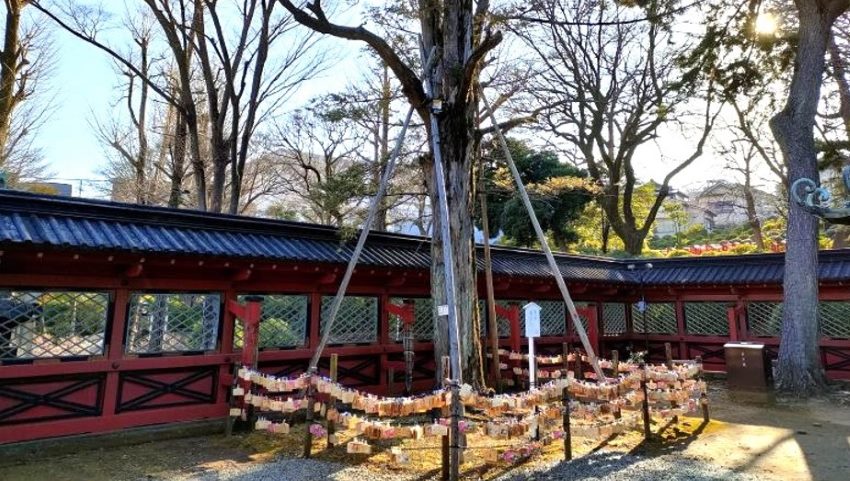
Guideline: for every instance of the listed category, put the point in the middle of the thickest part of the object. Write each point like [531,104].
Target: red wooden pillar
[593,328]
[732,319]
[589,313]
[249,313]
[315,334]
[229,323]
[115,351]
[405,312]
[511,314]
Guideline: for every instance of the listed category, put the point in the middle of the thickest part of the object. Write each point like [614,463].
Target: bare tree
[456,31]
[799,365]
[241,86]
[26,58]
[614,84]
[320,172]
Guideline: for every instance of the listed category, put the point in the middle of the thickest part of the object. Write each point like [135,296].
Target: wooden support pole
[646,431]
[544,243]
[668,355]
[391,382]
[703,401]
[361,241]
[332,400]
[492,321]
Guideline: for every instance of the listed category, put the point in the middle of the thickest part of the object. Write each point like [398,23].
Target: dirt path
[788,441]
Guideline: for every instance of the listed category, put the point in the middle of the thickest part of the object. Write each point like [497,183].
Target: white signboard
[532,330]
[532,320]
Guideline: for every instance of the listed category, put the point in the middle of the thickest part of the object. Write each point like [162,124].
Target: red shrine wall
[110,340]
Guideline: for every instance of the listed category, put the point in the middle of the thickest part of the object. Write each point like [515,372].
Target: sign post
[532,330]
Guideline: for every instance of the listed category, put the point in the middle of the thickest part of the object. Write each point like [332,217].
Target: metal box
[747,367]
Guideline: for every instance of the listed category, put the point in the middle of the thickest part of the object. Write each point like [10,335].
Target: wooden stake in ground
[645,405]
[332,400]
[544,245]
[565,400]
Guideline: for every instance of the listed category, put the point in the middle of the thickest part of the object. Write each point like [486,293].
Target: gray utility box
[747,366]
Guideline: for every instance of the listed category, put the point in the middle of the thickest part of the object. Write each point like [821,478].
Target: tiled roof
[61,222]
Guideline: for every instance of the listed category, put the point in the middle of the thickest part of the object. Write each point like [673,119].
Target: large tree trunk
[457,148]
[799,367]
[10,59]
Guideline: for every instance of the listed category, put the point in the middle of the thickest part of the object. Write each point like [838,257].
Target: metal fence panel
[706,318]
[660,318]
[356,321]
[172,322]
[52,324]
[834,319]
[613,318]
[283,322]
[764,318]
[552,318]
[423,319]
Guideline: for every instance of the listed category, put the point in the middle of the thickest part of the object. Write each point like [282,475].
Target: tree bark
[799,366]
[10,63]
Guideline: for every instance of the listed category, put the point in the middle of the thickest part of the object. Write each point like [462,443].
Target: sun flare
[766,24]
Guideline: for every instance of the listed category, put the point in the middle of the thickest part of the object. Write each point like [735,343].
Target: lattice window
[423,320]
[660,318]
[52,324]
[356,321]
[552,318]
[283,322]
[764,318]
[834,319]
[707,318]
[172,322]
[613,318]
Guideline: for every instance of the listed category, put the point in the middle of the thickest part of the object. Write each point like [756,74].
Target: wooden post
[445,369]
[579,366]
[228,423]
[308,436]
[646,432]
[703,401]
[332,400]
[615,363]
[668,354]
[492,322]
[568,438]
[445,448]
[566,359]
[391,382]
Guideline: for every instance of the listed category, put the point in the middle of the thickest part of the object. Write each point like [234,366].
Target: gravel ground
[599,466]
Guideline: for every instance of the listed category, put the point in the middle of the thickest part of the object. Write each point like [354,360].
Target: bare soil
[773,440]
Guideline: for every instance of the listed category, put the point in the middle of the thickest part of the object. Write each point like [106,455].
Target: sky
[83,88]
